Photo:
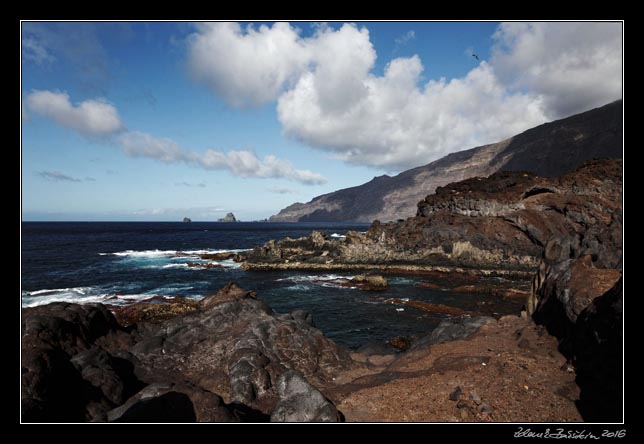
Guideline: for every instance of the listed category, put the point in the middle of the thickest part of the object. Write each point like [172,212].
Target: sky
[156,121]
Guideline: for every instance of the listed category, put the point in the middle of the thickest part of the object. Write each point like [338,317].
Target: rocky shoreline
[230,358]
[496,225]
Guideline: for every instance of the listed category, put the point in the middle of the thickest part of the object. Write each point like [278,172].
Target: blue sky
[156,121]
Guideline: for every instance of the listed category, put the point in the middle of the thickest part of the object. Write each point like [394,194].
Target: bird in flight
[476,57]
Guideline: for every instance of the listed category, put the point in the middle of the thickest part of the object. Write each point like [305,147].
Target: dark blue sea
[121,262]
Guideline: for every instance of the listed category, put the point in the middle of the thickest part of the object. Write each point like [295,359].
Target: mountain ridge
[548,150]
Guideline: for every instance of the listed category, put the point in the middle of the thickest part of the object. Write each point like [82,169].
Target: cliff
[497,224]
[548,150]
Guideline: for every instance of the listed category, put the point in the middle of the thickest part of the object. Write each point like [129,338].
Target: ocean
[121,262]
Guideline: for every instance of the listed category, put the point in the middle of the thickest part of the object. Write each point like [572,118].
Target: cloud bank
[97,118]
[328,97]
[242,163]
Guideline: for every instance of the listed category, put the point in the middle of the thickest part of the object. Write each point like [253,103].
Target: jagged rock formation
[228,359]
[549,150]
[233,360]
[230,217]
[187,219]
[577,294]
[497,224]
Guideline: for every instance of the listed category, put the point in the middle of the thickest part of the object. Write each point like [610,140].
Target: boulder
[170,402]
[301,402]
[67,375]
[368,282]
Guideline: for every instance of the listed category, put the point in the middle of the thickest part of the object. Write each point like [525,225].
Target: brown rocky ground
[509,371]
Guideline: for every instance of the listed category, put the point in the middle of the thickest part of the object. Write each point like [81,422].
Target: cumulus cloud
[242,163]
[573,66]
[93,117]
[328,97]
[57,176]
[245,66]
[250,66]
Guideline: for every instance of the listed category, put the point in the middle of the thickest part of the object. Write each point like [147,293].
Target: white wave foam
[43,297]
[144,253]
[338,236]
[324,280]
[168,253]
[80,290]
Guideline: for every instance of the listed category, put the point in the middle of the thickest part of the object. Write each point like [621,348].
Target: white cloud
[249,67]
[398,125]
[573,66]
[245,66]
[93,117]
[328,97]
[405,38]
[243,163]
[139,144]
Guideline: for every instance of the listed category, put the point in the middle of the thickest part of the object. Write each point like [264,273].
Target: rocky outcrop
[368,282]
[230,217]
[488,225]
[301,402]
[577,294]
[549,150]
[170,402]
[233,360]
[187,219]
[228,357]
[68,373]
[579,300]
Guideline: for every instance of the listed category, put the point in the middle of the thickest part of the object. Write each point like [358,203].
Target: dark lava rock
[78,364]
[146,312]
[400,343]
[577,295]
[500,223]
[172,403]
[67,375]
[456,394]
[236,346]
[301,402]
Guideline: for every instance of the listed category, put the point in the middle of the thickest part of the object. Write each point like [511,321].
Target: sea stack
[187,219]
[230,217]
